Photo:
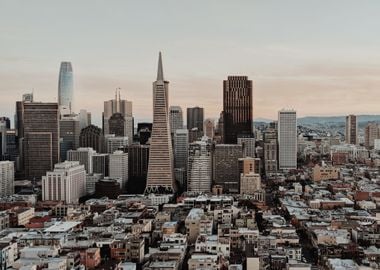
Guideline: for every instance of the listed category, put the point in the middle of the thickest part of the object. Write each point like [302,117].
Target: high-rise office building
[351,129]
[124,107]
[371,133]
[3,139]
[84,118]
[138,159]
[116,125]
[69,135]
[114,143]
[195,118]
[92,136]
[175,118]
[7,173]
[287,139]
[181,146]
[160,168]
[199,174]
[84,156]
[118,167]
[100,164]
[144,132]
[66,183]
[66,88]
[209,128]
[38,125]
[226,167]
[249,145]
[237,108]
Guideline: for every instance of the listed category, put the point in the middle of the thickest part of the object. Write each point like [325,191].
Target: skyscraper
[39,134]
[195,118]
[237,108]
[287,139]
[351,129]
[116,125]
[84,156]
[69,134]
[118,167]
[209,128]
[175,118]
[371,133]
[138,158]
[181,145]
[92,136]
[65,88]
[122,106]
[7,173]
[199,173]
[160,168]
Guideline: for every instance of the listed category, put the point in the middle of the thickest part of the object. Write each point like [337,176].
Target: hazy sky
[320,57]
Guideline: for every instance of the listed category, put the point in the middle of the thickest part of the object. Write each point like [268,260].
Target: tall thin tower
[160,168]
[65,87]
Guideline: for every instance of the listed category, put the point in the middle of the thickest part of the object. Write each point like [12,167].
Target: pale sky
[319,57]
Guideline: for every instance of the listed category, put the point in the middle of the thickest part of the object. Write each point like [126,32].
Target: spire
[160,71]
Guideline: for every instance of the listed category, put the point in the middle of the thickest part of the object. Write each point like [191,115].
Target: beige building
[250,183]
[192,222]
[325,173]
[371,133]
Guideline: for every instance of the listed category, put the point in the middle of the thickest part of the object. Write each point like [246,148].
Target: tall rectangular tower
[351,129]
[237,108]
[160,169]
[287,139]
[40,133]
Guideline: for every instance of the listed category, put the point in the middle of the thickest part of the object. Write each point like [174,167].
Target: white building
[199,173]
[114,143]
[118,167]
[287,139]
[84,156]
[7,176]
[66,183]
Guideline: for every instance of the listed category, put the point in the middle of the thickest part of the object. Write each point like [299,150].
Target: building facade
[226,167]
[351,129]
[199,175]
[39,136]
[237,108]
[175,118]
[66,183]
[66,88]
[160,169]
[7,172]
[287,139]
[195,118]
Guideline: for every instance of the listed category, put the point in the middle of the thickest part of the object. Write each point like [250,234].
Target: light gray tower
[160,168]
[287,139]
[65,88]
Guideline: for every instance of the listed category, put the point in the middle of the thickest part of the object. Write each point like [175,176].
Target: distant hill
[309,120]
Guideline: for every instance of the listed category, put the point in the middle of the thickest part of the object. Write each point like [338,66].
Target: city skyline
[285,54]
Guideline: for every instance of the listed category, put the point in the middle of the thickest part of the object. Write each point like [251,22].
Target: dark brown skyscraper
[40,133]
[237,108]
